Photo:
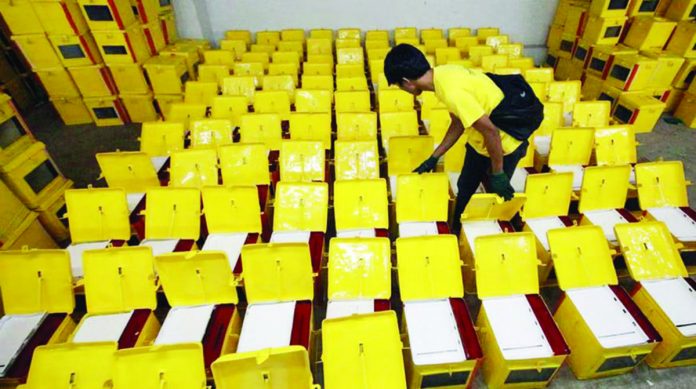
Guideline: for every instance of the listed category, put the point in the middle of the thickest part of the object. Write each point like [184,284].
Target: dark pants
[477,169]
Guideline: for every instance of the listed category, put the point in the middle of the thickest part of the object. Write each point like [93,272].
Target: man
[481,105]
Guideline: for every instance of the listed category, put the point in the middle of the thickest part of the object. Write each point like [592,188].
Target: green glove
[427,166]
[500,183]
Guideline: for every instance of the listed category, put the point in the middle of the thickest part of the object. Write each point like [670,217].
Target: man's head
[403,66]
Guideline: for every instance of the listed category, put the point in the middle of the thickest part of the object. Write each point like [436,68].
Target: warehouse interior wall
[526,21]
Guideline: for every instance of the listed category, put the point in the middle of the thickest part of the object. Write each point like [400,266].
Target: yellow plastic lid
[407,152]
[356,159]
[194,168]
[172,213]
[615,145]
[361,204]
[581,257]
[301,206]
[571,146]
[429,267]
[72,365]
[302,161]
[277,368]
[234,209]
[33,281]
[97,214]
[244,164]
[196,278]
[156,367]
[604,187]
[277,272]
[661,184]
[210,133]
[359,268]
[363,351]
[490,206]
[119,279]
[548,195]
[506,264]
[161,138]
[130,170]
[422,197]
[649,251]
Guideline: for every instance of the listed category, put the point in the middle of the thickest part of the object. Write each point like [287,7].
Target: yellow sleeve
[465,106]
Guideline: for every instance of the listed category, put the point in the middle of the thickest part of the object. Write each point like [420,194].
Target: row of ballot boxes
[598,329]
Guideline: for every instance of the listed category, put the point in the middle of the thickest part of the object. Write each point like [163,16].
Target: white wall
[526,21]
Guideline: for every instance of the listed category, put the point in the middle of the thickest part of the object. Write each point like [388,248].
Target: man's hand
[500,183]
[427,166]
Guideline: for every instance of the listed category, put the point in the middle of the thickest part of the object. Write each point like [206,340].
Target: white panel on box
[678,300]
[608,319]
[577,170]
[158,162]
[606,219]
[541,225]
[516,328]
[454,178]
[433,332]
[678,222]
[133,199]
[185,325]
[15,331]
[542,144]
[356,233]
[392,187]
[267,326]
[344,308]
[76,252]
[160,246]
[474,229]
[519,179]
[230,243]
[290,237]
[413,229]
[102,328]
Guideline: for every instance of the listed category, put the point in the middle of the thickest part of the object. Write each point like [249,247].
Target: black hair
[404,61]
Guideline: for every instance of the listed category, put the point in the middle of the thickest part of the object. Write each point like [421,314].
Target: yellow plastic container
[363,350]
[361,204]
[302,161]
[603,30]
[649,33]
[640,110]
[60,17]
[213,73]
[122,46]
[30,233]
[194,168]
[140,108]
[615,145]
[51,215]
[37,50]
[311,216]
[566,92]
[13,130]
[183,112]
[311,127]
[229,107]
[188,52]
[131,171]
[119,280]
[72,110]
[76,50]
[314,101]
[592,87]
[57,82]
[167,74]
[165,102]
[20,17]
[130,79]
[12,212]
[668,66]
[244,164]
[422,198]
[686,74]
[107,111]
[107,15]
[154,37]
[608,7]
[686,111]
[198,92]
[631,72]
[168,25]
[93,80]
[567,70]
[154,366]
[161,138]
[273,102]
[591,114]
[180,207]
[210,133]
[406,153]
[241,201]
[602,56]
[644,8]
[356,160]
[681,10]
[683,40]
[147,11]
[261,128]
[97,214]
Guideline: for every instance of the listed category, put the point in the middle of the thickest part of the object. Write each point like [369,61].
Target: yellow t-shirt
[469,94]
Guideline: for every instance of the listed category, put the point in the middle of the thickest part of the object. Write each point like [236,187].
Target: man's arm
[454,132]
[494,145]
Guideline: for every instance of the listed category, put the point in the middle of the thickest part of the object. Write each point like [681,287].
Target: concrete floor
[73,149]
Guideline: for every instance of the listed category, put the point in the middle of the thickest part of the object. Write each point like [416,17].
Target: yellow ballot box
[173,366]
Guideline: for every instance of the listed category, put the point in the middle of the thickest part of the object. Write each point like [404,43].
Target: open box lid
[244,164]
[161,138]
[587,113]
[301,206]
[361,204]
[615,145]
[302,161]
[196,278]
[604,187]
[581,257]
[163,366]
[97,214]
[490,206]
[194,168]
[34,281]
[232,209]
[277,272]
[359,268]
[210,133]
[649,251]
[130,170]
[422,197]
[429,267]
[363,351]
[407,152]
[506,264]
[571,146]
[68,365]
[172,213]
[661,184]
[279,368]
[548,195]
[119,279]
